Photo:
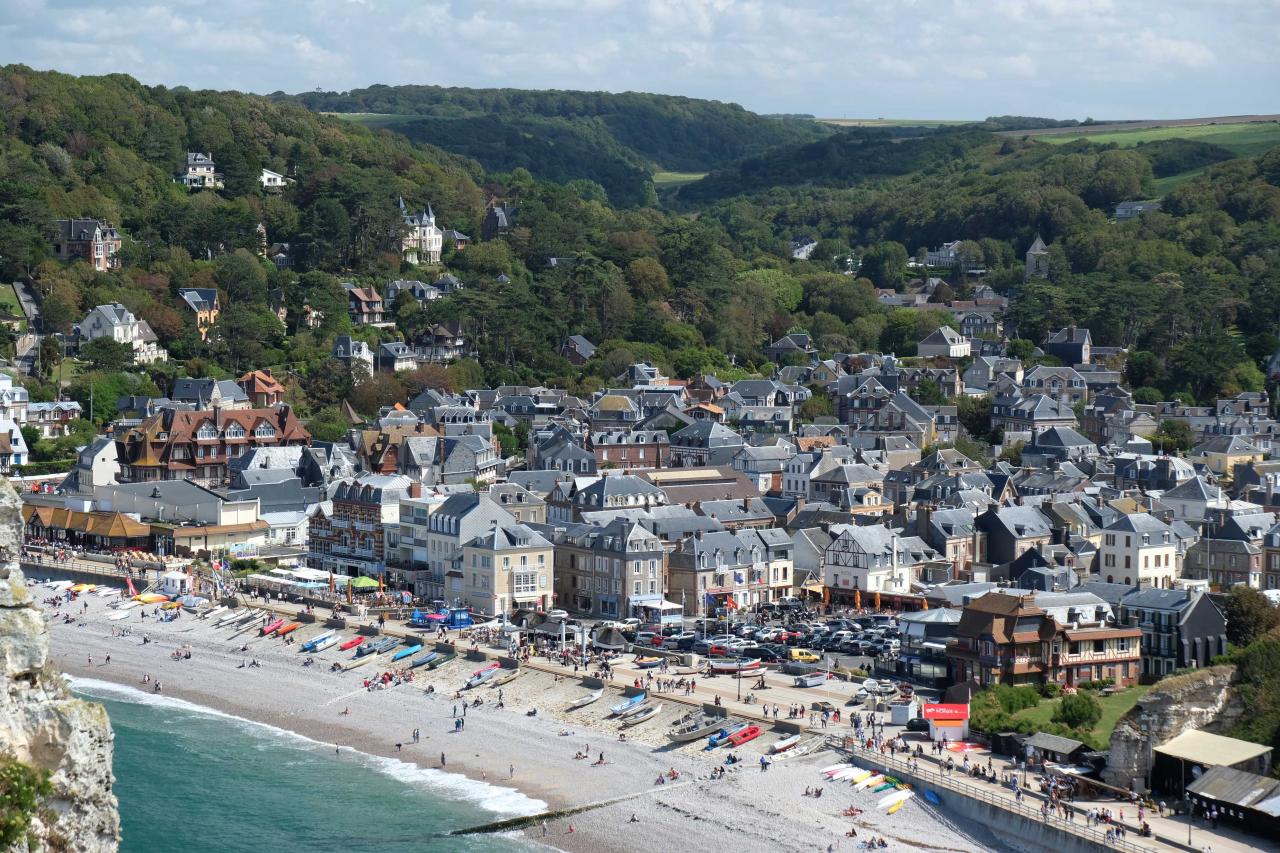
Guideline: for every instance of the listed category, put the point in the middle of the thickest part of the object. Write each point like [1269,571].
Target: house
[118,323]
[203,303]
[442,343]
[97,464]
[1037,260]
[395,356]
[945,255]
[1031,414]
[791,346]
[273,181]
[53,420]
[209,394]
[499,219]
[1221,453]
[702,443]
[613,491]
[630,448]
[90,240]
[348,534]
[352,352]
[433,561]
[980,376]
[577,349]
[1181,628]
[13,447]
[420,291]
[943,342]
[1231,551]
[873,559]
[510,567]
[610,570]
[925,635]
[1055,445]
[1061,383]
[1011,530]
[14,400]
[201,173]
[261,388]
[448,284]
[1070,345]
[1133,209]
[460,241]
[422,240]
[468,458]
[1191,501]
[197,445]
[733,570]
[364,305]
[1140,550]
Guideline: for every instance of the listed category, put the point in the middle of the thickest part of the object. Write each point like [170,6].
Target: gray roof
[1053,743]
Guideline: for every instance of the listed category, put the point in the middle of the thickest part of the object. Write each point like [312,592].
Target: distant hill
[617,140]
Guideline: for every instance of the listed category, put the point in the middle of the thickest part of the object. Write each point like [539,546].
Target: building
[443,342]
[1037,260]
[395,356]
[873,559]
[422,240]
[1222,453]
[273,181]
[118,323]
[1063,384]
[97,464]
[14,400]
[794,346]
[499,219]
[702,443]
[201,173]
[634,449]
[198,445]
[612,570]
[53,420]
[1140,550]
[577,349]
[353,533]
[420,291]
[353,352]
[203,303]
[508,568]
[364,305]
[261,389]
[925,635]
[943,342]
[1071,345]
[733,570]
[90,240]
[1181,629]
[435,555]
[1134,209]
[13,447]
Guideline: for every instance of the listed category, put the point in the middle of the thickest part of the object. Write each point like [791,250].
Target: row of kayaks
[895,792]
[364,647]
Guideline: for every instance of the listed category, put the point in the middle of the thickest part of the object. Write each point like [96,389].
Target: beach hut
[175,584]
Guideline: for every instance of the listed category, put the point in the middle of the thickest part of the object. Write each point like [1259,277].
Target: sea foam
[501,800]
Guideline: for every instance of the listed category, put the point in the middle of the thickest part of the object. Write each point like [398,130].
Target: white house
[272,180]
[1140,550]
[13,400]
[118,323]
[873,558]
[13,448]
[423,240]
[944,342]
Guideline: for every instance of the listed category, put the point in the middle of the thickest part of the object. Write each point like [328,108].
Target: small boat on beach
[933,798]
[310,645]
[784,744]
[213,611]
[118,615]
[632,711]
[288,628]
[351,644]
[846,773]
[647,713]
[834,767]
[271,627]
[900,803]
[749,733]
[107,591]
[723,735]
[628,703]
[646,662]
[858,777]
[442,660]
[83,588]
[386,644]
[404,653]
[506,676]
[888,783]
[733,665]
[483,674]
[812,679]
[151,598]
[896,797]
[326,642]
[585,700]
[424,660]
[694,726]
[873,779]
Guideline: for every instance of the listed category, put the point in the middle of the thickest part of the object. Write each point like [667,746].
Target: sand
[502,746]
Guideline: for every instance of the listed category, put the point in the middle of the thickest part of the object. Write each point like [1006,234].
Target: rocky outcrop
[41,724]
[1196,700]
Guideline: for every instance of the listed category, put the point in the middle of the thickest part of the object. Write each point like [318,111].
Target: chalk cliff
[41,724]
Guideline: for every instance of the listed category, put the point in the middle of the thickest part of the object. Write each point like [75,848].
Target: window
[1099,646]
[525,582]
[206,432]
[235,431]
[264,430]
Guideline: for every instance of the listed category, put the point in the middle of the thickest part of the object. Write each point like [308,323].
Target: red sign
[940,711]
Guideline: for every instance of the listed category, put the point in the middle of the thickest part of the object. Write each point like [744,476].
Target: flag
[737,577]
[132,591]
[711,599]
[730,603]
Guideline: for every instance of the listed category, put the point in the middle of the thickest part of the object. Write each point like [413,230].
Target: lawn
[1114,707]
[1245,140]
[1164,186]
[676,179]
[9,303]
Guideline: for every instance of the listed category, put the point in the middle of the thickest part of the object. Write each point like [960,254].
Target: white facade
[14,400]
[423,240]
[118,323]
[1140,550]
[272,180]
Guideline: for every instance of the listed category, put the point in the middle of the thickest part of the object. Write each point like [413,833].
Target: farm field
[894,122]
[676,179]
[1245,140]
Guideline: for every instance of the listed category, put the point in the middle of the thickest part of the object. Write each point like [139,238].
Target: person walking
[442,761]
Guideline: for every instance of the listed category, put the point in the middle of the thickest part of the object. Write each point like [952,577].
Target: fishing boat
[483,674]
[310,645]
[443,659]
[896,797]
[505,676]
[404,653]
[585,700]
[646,663]
[272,627]
[213,611]
[647,713]
[351,644]
[118,615]
[151,598]
[227,618]
[749,733]
[386,644]
[732,665]
[83,587]
[723,735]
[628,703]
[107,591]
[900,803]
[784,744]
[812,679]
[424,660]
[633,710]
[873,779]
[60,585]
[322,644]
[288,628]
[694,726]
[846,773]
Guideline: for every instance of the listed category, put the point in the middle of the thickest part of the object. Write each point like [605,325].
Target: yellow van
[802,656]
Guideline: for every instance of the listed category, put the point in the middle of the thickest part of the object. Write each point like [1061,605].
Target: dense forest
[1193,291]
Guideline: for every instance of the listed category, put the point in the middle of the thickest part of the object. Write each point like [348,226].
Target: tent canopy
[363,582]
[1211,750]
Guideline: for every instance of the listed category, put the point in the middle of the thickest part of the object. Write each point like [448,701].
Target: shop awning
[1211,750]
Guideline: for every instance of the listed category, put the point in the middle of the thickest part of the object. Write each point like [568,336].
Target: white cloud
[1174,51]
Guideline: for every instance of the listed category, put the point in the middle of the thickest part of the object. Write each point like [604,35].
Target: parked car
[917,724]
[802,656]
[646,638]
[762,654]
[557,616]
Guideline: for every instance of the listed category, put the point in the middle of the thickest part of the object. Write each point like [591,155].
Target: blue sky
[833,58]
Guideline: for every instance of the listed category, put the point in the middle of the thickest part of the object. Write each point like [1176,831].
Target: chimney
[415,489]
[746,504]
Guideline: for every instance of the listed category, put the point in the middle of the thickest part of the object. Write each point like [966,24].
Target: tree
[885,264]
[929,393]
[1173,435]
[107,354]
[1249,615]
[1079,710]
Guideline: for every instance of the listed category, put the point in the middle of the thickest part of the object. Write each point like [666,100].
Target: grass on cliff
[1114,707]
[1258,687]
[1024,709]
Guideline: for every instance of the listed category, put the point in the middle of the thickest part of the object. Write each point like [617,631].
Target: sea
[195,780]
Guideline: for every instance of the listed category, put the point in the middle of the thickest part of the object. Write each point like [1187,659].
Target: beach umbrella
[926,604]
[877,601]
[330,581]
[857,599]
[363,582]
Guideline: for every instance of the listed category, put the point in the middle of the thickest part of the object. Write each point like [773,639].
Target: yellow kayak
[170,605]
[151,598]
[84,587]
[899,804]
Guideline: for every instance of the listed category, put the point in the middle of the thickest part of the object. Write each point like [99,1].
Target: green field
[373,119]
[676,179]
[1114,707]
[1164,186]
[895,122]
[1245,140]
[9,303]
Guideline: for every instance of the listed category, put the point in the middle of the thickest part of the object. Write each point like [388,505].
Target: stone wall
[41,724]
[1203,699]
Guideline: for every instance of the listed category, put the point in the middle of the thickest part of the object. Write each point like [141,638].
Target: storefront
[946,721]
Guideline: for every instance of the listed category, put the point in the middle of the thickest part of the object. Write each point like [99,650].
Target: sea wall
[1203,699]
[41,724]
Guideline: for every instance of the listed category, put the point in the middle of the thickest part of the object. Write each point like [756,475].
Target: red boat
[273,627]
[350,644]
[288,629]
[749,733]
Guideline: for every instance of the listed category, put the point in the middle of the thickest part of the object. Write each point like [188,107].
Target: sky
[940,59]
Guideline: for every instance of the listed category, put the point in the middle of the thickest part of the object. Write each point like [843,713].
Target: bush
[1049,690]
[1100,684]
[1079,711]
[21,788]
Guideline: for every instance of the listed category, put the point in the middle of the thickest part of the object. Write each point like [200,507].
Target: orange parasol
[877,601]
[926,605]
[857,599]
[330,581]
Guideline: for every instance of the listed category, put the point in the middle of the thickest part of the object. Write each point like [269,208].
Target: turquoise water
[197,781]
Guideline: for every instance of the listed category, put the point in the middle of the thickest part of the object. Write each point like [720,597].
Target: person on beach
[442,762]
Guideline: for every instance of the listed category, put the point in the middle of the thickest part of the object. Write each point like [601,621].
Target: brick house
[89,240]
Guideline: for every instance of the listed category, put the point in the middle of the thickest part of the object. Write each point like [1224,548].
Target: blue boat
[629,703]
[310,645]
[933,798]
[404,653]
[723,735]
[424,660]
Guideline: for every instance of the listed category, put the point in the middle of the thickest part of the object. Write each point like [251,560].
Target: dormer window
[235,431]
[264,430]
[206,432]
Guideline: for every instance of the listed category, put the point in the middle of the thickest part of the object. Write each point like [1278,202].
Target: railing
[984,794]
